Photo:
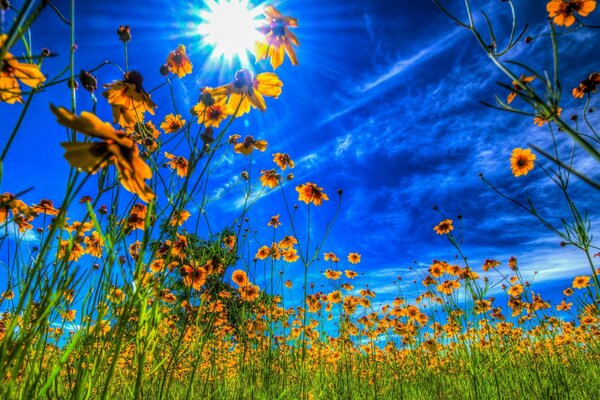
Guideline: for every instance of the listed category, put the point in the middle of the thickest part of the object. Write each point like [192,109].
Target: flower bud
[124,33]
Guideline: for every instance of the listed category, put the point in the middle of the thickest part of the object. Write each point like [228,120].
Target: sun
[229,27]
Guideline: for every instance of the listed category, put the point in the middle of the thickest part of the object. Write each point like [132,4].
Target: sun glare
[229,27]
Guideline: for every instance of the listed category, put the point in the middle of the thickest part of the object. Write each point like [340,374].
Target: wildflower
[568,292]
[172,123]
[489,264]
[178,62]
[331,274]
[249,292]
[588,85]
[8,295]
[11,70]
[515,290]
[129,100]
[521,161]
[250,144]
[288,284]
[335,297]
[178,163]
[193,275]
[179,217]
[248,91]
[331,257]
[94,244]
[287,242]
[124,33]
[354,258]
[447,287]
[274,221]
[290,255]
[350,274]
[311,193]
[563,11]
[263,252]
[564,306]
[278,38]
[581,282]
[45,207]
[512,263]
[444,227]
[283,160]
[523,80]
[73,253]
[69,315]
[116,147]
[269,178]
[239,277]
[229,241]
[211,110]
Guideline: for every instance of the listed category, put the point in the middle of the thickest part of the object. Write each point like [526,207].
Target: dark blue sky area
[385,104]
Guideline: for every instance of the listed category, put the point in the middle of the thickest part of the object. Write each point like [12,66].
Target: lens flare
[229,27]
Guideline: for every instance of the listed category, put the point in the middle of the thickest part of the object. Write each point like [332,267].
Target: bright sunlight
[229,27]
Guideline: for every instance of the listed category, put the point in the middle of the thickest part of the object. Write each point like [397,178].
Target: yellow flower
[581,282]
[269,178]
[311,193]
[129,100]
[240,278]
[541,119]
[444,227]
[274,221]
[563,10]
[250,144]
[283,161]
[11,70]
[354,258]
[588,85]
[178,163]
[178,62]
[521,161]
[248,91]
[211,110]
[116,146]
[278,38]
[172,123]
[331,274]
[331,256]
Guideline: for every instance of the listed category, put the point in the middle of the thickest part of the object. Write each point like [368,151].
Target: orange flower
[588,85]
[8,201]
[179,217]
[249,292]
[69,315]
[288,284]
[250,144]
[524,80]
[521,161]
[229,241]
[94,244]
[290,255]
[193,276]
[287,242]
[211,109]
[248,91]
[350,274]
[240,278]
[179,163]
[447,287]
[283,160]
[11,70]
[331,257]
[45,207]
[263,253]
[437,269]
[311,193]
[331,274]
[444,227]
[172,123]
[116,147]
[178,62]
[515,290]
[489,264]
[563,11]
[278,38]
[129,100]
[269,178]
[581,282]
[354,258]
[274,221]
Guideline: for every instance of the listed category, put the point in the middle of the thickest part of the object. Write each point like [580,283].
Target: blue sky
[384,105]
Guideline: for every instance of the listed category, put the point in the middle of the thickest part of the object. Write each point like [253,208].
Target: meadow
[125,288]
